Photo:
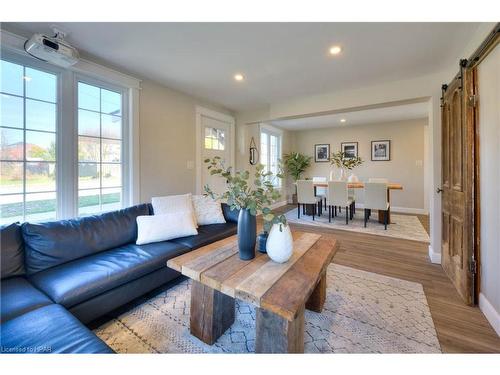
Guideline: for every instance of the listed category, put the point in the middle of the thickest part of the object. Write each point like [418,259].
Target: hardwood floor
[460,328]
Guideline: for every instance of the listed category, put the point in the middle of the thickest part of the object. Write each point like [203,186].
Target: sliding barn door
[458,183]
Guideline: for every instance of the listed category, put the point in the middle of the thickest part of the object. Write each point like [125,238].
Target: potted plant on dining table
[250,200]
[344,163]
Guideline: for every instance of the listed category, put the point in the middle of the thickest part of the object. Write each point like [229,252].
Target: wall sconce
[254,153]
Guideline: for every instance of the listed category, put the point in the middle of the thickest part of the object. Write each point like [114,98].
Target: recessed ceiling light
[335,50]
[343,120]
[238,77]
[26,78]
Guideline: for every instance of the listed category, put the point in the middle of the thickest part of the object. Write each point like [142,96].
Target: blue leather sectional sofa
[59,275]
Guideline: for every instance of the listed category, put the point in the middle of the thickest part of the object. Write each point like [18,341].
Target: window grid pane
[99,149]
[28,136]
[270,154]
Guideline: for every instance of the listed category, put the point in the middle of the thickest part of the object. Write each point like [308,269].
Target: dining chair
[378,179]
[305,196]
[321,191]
[376,199]
[338,196]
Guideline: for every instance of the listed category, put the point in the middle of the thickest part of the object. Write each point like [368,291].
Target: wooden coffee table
[280,292]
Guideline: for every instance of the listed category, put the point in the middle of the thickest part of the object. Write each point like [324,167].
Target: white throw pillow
[174,204]
[156,228]
[207,210]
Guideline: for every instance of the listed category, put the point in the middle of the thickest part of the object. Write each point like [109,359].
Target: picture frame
[350,149]
[381,150]
[322,153]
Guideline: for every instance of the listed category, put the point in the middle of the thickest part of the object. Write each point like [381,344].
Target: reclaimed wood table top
[281,288]
[361,185]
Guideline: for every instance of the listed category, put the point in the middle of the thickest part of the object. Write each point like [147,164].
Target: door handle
[439,190]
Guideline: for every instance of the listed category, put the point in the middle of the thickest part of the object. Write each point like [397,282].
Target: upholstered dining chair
[305,196]
[338,196]
[376,199]
[320,191]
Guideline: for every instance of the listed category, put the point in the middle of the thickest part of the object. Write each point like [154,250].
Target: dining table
[361,185]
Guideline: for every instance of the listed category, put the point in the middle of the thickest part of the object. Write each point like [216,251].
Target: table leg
[212,313]
[317,299]
[275,334]
[381,214]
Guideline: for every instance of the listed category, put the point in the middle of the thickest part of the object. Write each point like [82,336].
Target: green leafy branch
[239,193]
[341,160]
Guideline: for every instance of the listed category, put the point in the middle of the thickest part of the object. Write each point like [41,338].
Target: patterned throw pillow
[173,204]
[207,210]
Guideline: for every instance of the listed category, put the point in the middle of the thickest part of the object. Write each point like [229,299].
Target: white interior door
[216,138]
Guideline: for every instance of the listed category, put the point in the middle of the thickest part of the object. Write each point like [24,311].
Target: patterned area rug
[402,226]
[364,313]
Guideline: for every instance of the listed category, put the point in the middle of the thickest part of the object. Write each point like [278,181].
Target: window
[215,139]
[61,158]
[99,149]
[28,124]
[270,154]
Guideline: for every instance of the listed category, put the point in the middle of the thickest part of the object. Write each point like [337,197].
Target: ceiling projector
[53,50]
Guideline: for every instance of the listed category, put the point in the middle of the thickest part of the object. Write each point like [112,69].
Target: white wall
[407,149]
[167,140]
[489,149]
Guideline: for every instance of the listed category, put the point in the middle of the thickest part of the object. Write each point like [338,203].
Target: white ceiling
[363,117]
[279,60]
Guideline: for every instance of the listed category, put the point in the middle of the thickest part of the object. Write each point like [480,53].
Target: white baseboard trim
[433,256]
[278,204]
[490,313]
[409,210]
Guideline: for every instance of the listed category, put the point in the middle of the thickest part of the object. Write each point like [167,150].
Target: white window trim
[66,181]
[126,139]
[202,111]
[272,130]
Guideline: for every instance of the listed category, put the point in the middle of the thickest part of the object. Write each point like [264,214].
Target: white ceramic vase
[279,244]
[353,178]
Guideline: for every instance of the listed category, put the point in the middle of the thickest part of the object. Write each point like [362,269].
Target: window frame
[272,131]
[67,129]
[28,62]
[125,140]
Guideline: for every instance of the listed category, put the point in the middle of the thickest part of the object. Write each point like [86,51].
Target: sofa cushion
[49,329]
[230,215]
[207,234]
[77,281]
[11,251]
[54,243]
[18,297]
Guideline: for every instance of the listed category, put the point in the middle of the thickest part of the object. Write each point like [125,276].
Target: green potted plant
[295,164]
[251,201]
[344,163]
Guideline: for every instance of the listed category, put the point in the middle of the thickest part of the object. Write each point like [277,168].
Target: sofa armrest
[231,216]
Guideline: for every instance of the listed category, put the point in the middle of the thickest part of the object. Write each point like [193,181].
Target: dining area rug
[364,313]
[406,227]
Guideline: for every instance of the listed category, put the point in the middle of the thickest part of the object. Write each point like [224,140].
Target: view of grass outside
[49,205]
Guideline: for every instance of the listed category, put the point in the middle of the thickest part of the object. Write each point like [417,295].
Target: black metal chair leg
[313,210]
[347,215]
[386,219]
[298,210]
[366,216]
[329,214]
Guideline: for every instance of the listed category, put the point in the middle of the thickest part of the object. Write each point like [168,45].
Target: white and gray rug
[364,313]
[402,226]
